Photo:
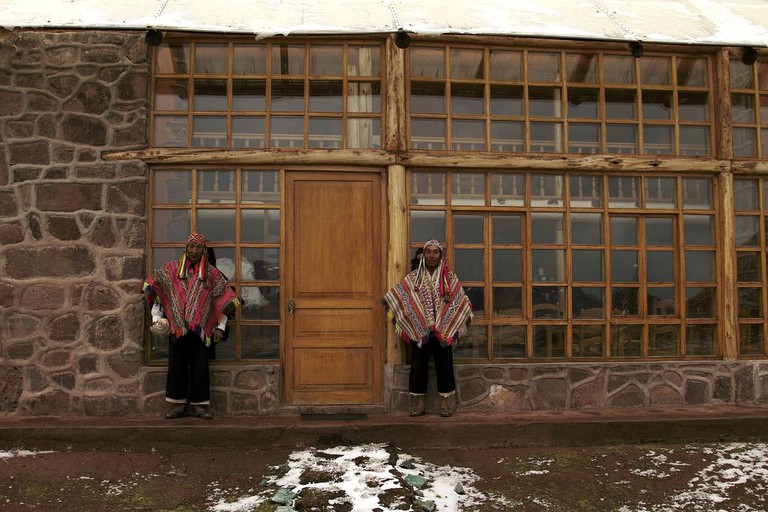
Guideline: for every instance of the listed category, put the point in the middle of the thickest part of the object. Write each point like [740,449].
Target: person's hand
[218,335]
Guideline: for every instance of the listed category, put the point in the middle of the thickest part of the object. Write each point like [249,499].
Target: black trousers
[188,377]
[446,383]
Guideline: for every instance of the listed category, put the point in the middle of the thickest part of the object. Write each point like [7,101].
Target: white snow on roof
[716,22]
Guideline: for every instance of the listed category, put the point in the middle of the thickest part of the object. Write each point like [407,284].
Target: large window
[290,95]
[238,211]
[581,266]
[749,108]
[539,101]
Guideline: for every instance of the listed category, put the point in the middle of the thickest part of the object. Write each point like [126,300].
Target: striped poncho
[191,301]
[422,304]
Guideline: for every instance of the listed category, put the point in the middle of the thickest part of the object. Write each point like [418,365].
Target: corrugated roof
[716,22]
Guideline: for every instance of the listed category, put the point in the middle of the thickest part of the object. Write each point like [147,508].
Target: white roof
[715,22]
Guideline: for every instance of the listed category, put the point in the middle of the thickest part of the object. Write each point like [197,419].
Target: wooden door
[334,320]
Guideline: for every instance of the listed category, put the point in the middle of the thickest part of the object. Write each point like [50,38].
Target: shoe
[202,413]
[416,412]
[445,412]
[176,413]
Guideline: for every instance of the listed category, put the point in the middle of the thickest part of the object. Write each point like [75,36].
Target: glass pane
[170,131]
[507,266]
[507,301]
[583,102]
[473,343]
[621,138]
[700,302]
[325,95]
[162,255]
[476,295]
[427,62]
[750,303]
[700,266]
[507,189]
[287,132]
[694,140]
[469,264]
[549,341]
[744,142]
[260,341]
[587,228]
[660,192]
[581,67]
[468,229]
[468,189]
[467,98]
[216,187]
[745,195]
[657,105]
[751,339]
[661,266]
[625,301]
[699,229]
[741,75]
[250,59]
[588,340]
[659,140]
[659,231]
[427,226]
[586,191]
[620,104]
[697,193]
[325,132]
[171,225]
[623,230]
[743,108]
[210,58]
[249,94]
[547,228]
[428,133]
[661,301]
[172,187]
[693,106]
[171,94]
[248,132]
[584,138]
[747,230]
[544,102]
[619,69]
[624,266]
[260,226]
[543,67]
[256,305]
[509,341]
[209,131]
[762,74]
[260,187]
[763,110]
[288,59]
[217,225]
[325,60]
[656,70]
[428,97]
[506,229]
[507,136]
[548,265]
[663,340]
[546,190]
[587,266]
[626,340]
[364,97]
[467,63]
[428,188]
[748,267]
[468,135]
[700,340]
[287,95]
[548,301]
[363,133]
[172,58]
[588,302]
[506,65]
[259,264]
[691,72]
[506,100]
[546,137]
[210,95]
[363,61]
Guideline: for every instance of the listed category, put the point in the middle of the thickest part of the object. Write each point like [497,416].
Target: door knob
[291,307]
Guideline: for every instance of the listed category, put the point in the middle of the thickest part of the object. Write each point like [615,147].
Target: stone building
[596,169]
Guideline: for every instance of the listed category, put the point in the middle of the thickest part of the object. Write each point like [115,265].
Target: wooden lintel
[366,157]
[751,167]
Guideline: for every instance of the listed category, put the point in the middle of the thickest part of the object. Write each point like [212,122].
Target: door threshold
[338,412]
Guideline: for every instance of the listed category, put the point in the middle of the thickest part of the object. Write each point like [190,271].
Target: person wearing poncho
[195,298]
[430,311]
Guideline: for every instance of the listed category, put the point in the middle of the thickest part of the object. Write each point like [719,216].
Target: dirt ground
[620,478]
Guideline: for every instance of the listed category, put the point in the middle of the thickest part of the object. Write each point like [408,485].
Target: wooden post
[728,290]
[397,254]
[722,126]
[394,94]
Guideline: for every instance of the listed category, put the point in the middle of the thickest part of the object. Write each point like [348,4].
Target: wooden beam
[722,94]
[728,292]
[394,98]
[397,254]
[196,156]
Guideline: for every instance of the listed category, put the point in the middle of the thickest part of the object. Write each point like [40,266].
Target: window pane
[588,340]
[325,95]
[260,187]
[427,226]
[506,65]
[209,131]
[623,230]
[584,138]
[700,302]
[659,140]
[747,230]
[506,100]
[581,67]
[248,132]
[468,229]
[661,266]
[619,69]
[659,231]
[325,132]
[626,340]
[364,97]
[620,104]
[467,98]
[467,63]
[172,58]
[210,95]
[699,229]
[548,301]
[691,72]
[547,228]
[476,295]
[259,264]
[506,229]
[748,268]
[507,189]
[171,94]
[468,189]
[509,341]
[364,133]
[700,340]
[745,195]
[548,265]
[162,255]
[216,187]
[172,187]
[428,97]
[256,305]
[468,135]
[546,190]
[171,225]
[587,266]
[583,103]
[170,131]
[549,341]
[588,302]
[363,61]
[543,67]
[697,193]
[325,60]
[544,102]
[657,105]
[260,342]
[427,133]
[743,108]
[288,59]
[507,136]
[750,303]
[469,264]
[260,226]
[210,58]
[621,138]
[661,301]
[287,132]
[693,106]
[624,266]
[473,344]
[586,191]
[744,142]
[427,188]
[751,339]
[694,140]
[287,95]
[507,266]
[250,59]
[663,340]
[249,95]
[507,302]
[546,137]
[660,192]
[586,228]
[656,70]
[427,62]
[217,225]
[625,301]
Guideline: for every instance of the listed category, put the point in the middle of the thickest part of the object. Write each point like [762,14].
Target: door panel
[333,255]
